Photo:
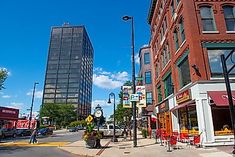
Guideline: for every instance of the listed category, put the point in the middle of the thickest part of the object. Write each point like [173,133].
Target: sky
[25,27]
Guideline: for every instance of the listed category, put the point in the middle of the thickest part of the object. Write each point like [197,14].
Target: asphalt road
[26,150]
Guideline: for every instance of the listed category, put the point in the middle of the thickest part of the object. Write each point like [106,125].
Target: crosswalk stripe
[26,144]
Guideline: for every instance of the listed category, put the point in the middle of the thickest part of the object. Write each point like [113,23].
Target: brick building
[145,78]
[187,39]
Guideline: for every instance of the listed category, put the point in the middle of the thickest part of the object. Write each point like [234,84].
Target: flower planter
[91,142]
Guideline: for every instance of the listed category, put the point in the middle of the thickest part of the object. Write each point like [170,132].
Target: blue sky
[24,40]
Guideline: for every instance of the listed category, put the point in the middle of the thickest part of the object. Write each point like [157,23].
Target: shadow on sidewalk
[151,144]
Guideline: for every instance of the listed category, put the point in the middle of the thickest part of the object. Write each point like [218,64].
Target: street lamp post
[126,18]
[31,108]
[114,127]
[226,71]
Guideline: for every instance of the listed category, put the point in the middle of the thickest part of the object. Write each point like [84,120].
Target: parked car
[107,130]
[8,132]
[80,127]
[72,129]
[23,132]
[45,131]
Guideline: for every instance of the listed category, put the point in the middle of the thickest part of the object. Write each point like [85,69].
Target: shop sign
[10,113]
[183,96]
[24,124]
[164,106]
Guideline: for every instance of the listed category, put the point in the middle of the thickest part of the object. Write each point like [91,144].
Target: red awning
[220,98]
[189,103]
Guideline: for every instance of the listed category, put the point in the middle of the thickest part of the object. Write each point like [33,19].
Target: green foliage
[3,77]
[78,123]
[90,127]
[144,133]
[74,124]
[59,114]
[90,133]
[120,112]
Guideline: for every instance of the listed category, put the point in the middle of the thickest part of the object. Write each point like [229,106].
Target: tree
[3,77]
[59,114]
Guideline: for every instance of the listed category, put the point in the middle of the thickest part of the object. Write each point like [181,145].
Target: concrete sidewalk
[146,148]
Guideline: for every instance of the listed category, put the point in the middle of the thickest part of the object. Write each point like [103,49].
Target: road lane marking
[40,144]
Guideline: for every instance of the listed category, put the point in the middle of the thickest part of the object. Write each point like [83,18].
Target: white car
[107,130]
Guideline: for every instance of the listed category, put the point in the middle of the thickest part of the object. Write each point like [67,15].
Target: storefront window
[188,120]
[192,120]
[183,120]
[221,120]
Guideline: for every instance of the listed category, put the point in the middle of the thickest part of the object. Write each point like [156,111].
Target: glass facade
[69,69]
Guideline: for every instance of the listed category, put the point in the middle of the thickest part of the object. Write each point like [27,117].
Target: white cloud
[37,94]
[17,105]
[109,80]
[102,103]
[214,55]
[106,82]
[6,96]
[137,59]
[120,76]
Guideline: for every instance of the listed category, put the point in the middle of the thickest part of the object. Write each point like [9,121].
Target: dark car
[23,132]
[8,132]
[73,129]
[45,131]
[80,127]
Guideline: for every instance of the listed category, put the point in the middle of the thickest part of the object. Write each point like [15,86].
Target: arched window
[229,16]
[207,18]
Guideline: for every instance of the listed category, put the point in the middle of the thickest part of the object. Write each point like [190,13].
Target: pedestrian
[34,135]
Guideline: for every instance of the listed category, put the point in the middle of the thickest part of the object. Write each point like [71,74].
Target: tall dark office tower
[69,69]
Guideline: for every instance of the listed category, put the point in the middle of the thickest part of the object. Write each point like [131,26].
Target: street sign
[89,119]
[134,97]
[139,78]
[140,90]
[126,96]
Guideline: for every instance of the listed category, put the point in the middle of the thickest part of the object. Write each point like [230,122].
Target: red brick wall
[189,10]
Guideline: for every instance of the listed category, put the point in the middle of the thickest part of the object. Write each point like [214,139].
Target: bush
[144,133]
[77,123]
